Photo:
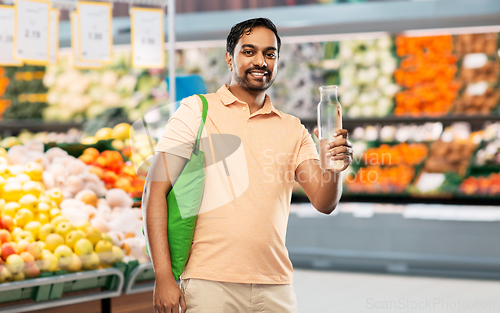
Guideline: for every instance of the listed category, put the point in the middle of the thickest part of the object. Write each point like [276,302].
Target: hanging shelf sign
[31,36]
[7,22]
[74,46]
[147,38]
[54,35]
[95,36]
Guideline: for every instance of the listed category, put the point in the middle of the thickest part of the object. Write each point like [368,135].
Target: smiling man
[238,260]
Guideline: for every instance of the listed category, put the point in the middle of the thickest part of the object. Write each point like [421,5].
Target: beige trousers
[205,296]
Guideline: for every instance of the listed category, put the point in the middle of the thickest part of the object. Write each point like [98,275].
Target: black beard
[245,82]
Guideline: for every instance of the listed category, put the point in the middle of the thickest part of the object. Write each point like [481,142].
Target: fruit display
[453,156]
[113,171]
[73,135]
[4,82]
[35,236]
[374,179]
[427,132]
[117,90]
[411,154]
[482,185]
[489,152]
[479,74]
[427,71]
[24,95]
[367,86]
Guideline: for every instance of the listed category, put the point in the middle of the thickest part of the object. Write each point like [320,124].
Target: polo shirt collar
[228,98]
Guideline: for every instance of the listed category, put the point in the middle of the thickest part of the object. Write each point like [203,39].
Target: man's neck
[255,100]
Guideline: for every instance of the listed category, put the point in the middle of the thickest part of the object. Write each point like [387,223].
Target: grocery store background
[418,224]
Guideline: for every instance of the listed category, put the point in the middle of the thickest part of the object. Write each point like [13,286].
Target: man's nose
[259,60]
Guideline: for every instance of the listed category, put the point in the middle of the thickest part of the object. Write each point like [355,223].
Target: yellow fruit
[3,152]
[10,209]
[22,178]
[33,227]
[46,230]
[9,142]
[58,219]
[53,241]
[104,250]
[82,225]
[42,218]
[93,234]
[73,236]
[118,144]
[34,170]
[63,228]
[16,231]
[32,188]
[23,217]
[12,191]
[122,131]
[29,202]
[55,194]
[89,141]
[2,181]
[103,133]
[49,262]
[44,208]
[54,213]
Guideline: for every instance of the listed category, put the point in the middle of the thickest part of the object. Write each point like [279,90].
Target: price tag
[31,39]
[7,22]
[74,45]
[95,36]
[147,38]
[54,35]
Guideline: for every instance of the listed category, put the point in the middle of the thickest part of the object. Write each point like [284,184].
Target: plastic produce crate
[59,288]
[139,277]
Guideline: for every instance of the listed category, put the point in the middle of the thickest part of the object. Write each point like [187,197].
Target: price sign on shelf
[54,35]
[74,45]
[7,18]
[95,36]
[147,38]
[31,38]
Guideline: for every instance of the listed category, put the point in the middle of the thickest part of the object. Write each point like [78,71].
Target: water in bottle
[329,121]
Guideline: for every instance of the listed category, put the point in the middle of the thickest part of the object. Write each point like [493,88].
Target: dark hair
[246,27]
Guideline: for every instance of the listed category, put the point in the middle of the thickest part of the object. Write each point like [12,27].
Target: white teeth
[258,74]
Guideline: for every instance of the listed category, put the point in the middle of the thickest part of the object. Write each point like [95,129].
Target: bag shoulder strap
[202,124]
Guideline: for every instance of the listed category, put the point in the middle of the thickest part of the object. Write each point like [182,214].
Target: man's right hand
[167,297]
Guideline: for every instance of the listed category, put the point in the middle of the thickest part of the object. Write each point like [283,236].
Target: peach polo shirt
[250,163]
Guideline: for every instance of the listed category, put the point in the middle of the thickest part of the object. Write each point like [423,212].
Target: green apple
[75,265]
[73,236]
[63,228]
[104,250]
[107,238]
[58,219]
[23,217]
[19,276]
[5,275]
[64,254]
[53,241]
[45,230]
[83,246]
[33,227]
[117,254]
[90,261]
[93,234]
[48,262]
[14,263]
[24,235]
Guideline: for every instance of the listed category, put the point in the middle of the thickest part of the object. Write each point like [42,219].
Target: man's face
[254,61]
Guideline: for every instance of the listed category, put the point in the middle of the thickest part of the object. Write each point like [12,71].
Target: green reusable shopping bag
[184,201]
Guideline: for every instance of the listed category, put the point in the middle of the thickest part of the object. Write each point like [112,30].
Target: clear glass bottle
[329,121]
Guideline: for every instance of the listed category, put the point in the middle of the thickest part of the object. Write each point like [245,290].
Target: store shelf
[400,241]
[350,123]
[60,290]
[326,19]
[139,279]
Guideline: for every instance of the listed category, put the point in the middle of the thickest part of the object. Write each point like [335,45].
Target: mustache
[258,68]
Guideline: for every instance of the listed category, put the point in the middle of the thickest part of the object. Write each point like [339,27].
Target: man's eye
[247,52]
[271,55]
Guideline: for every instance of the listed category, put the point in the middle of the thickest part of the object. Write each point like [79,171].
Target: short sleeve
[180,132]
[307,149]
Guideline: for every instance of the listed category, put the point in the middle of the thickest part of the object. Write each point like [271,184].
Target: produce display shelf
[140,278]
[61,289]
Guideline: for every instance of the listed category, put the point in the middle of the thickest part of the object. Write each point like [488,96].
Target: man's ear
[229,61]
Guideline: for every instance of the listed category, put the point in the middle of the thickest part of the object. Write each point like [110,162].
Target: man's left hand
[340,149]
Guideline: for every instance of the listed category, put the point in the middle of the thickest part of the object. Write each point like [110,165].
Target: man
[238,261]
